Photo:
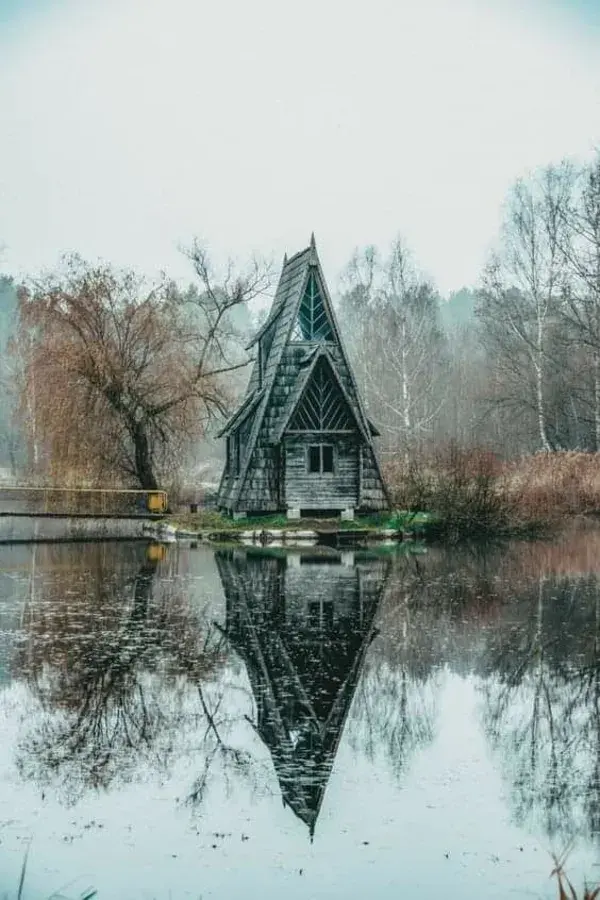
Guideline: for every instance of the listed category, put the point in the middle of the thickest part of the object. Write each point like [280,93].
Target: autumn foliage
[119,376]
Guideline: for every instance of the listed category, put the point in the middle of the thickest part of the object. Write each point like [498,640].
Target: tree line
[518,369]
[105,375]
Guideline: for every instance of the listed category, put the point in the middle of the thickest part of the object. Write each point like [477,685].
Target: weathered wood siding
[321,490]
[372,495]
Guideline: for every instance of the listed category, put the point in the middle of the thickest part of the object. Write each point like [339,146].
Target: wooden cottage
[300,442]
[302,624]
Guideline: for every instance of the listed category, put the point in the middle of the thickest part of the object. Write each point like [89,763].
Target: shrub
[463,489]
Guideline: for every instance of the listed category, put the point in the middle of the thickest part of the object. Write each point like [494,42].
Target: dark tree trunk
[142,592]
[143,458]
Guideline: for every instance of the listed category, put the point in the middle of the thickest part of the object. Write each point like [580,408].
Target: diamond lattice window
[312,323]
[323,406]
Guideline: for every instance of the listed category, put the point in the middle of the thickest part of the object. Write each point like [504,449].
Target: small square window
[314,458]
[320,458]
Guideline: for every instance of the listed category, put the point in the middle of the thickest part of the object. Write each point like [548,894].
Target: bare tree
[392,312]
[10,445]
[522,292]
[581,246]
[125,373]
[358,288]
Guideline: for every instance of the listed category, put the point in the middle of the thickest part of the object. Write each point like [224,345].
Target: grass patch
[467,494]
[210,520]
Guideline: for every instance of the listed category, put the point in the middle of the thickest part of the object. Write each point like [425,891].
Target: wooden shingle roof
[249,404]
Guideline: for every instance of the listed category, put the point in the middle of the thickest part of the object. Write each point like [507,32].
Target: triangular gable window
[312,323]
[323,407]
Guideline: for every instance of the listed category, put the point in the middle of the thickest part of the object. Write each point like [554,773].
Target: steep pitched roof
[290,290]
[249,404]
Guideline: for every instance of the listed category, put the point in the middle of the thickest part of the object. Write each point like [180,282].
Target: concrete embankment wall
[30,529]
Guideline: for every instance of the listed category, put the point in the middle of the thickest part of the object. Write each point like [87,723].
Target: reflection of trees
[541,693]
[525,718]
[224,760]
[394,713]
[589,700]
[525,619]
[433,607]
[124,674]
[104,641]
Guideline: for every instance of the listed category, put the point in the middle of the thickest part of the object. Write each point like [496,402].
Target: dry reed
[476,490]
[551,485]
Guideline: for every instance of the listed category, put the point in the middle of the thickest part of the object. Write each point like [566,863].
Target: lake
[186,722]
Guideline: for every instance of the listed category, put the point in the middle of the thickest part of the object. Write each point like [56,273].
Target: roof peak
[295,256]
[311,249]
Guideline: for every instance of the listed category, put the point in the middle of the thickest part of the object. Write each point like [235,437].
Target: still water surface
[240,723]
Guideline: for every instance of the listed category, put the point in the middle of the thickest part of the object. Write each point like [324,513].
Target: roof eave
[272,318]
[245,409]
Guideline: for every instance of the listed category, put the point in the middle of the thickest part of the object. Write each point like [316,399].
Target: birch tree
[10,448]
[523,286]
[392,311]
[409,339]
[581,244]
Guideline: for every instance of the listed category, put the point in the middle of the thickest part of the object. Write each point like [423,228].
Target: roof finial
[285,258]
[312,240]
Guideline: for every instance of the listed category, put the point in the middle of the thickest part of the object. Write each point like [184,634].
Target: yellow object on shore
[157,502]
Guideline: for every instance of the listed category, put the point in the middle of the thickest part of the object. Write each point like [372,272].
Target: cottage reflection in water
[302,623]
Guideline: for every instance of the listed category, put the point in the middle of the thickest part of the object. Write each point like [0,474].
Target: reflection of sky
[445,831]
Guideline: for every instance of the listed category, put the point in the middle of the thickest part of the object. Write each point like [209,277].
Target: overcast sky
[129,126]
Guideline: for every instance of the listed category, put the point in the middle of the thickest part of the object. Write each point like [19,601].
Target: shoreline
[269,536]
